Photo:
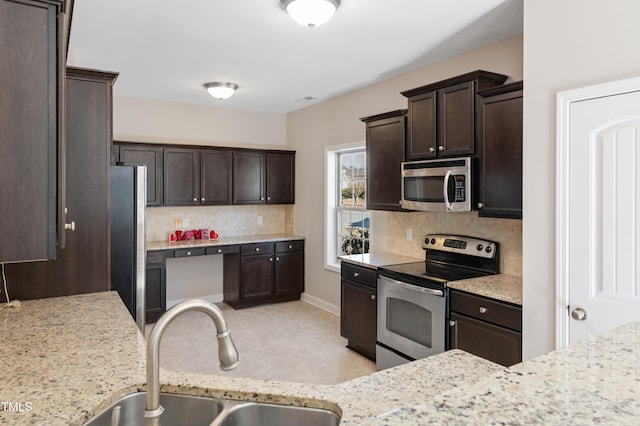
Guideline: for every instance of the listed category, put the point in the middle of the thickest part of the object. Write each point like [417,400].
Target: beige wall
[336,121]
[567,44]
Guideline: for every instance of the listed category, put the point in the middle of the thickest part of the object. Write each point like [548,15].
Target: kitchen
[309,129]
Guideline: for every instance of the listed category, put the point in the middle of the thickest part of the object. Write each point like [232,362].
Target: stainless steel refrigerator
[128,245]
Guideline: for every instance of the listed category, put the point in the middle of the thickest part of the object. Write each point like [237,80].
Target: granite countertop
[222,241]
[507,288]
[65,359]
[375,260]
[68,358]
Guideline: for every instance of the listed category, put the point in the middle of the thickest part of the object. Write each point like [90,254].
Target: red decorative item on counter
[179,235]
[213,235]
[196,234]
[172,237]
[204,234]
[188,235]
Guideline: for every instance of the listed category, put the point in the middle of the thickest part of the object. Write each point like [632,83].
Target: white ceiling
[168,49]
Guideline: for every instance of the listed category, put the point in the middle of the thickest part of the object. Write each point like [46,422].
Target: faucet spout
[227,352]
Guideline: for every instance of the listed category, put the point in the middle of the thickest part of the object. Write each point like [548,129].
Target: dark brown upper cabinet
[500,152]
[152,157]
[248,177]
[32,70]
[181,181]
[385,153]
[442,116]
[281,177]
[215,177]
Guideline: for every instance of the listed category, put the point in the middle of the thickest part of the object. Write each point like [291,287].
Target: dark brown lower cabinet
[485,327]
[358,309]
[156,285]
[264,273]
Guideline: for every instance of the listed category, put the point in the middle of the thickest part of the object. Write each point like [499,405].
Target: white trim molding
[564,101]
[319,303]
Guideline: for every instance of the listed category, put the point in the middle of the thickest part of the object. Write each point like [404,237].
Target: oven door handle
[445,190]
[412,287]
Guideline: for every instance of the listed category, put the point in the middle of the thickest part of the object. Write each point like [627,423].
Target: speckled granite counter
[507,288]
[222,241]
[375,260]
[65,359]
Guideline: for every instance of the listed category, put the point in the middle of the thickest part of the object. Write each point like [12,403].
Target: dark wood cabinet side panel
[28,131]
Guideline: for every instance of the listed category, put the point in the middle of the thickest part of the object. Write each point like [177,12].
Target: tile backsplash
[507,232]
[227,221]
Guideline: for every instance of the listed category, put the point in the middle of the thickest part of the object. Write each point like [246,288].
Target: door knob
[579,314]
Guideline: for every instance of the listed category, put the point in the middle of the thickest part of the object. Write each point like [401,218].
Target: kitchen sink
[196,410]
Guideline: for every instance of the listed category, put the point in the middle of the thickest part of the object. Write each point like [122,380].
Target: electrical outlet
[185,222]
[178,223]
[260,221]
[409,232]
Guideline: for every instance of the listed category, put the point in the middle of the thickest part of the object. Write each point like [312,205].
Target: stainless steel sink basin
[258,414]
[195,410]
[178,410]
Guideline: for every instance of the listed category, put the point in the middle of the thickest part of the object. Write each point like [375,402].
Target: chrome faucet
[227,352]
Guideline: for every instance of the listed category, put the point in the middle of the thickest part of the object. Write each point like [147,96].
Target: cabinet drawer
[156,256]
[359,274]
[287,246]
[485,309]
[223,249]
[190,252]
[257,248]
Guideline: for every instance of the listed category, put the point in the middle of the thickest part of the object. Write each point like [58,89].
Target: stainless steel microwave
[437,185]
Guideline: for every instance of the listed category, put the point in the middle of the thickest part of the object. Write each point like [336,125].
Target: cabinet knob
[452,323]
[356,275]
[219,250]
[271,259]
[440,148]
[432,149]
[268,198]
[188,253]
[373,297]
[195,199]
[483,310]
[70,226]
[261,198]
[290,246]
[257,248]
[202,199]
[480,205]
[277,259]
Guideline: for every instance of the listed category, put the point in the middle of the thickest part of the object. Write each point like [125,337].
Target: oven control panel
[460,244]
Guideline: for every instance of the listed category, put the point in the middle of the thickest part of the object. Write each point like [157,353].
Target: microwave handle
[445,191]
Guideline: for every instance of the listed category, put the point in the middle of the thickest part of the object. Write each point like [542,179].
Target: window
[347,222]
[353,220]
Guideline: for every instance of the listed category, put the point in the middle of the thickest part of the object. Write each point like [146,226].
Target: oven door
[437,185]
[411,319]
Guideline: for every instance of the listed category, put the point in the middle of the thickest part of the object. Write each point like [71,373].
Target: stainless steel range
[412,297]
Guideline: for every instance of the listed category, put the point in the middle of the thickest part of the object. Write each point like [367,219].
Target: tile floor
[292,341]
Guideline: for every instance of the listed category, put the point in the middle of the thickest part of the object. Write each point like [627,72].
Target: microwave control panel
[459,188]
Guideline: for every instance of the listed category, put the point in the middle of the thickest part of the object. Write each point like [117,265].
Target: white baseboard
[335,310]
[213,298]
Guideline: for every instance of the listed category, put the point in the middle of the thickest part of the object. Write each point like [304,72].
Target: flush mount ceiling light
[310,13]
[221,89]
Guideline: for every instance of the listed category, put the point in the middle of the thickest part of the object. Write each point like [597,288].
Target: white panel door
[602,214]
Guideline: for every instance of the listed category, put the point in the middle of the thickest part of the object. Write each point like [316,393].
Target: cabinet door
[256,277]
[84,265]
[155,291]
[289,273]
[358,316]
[385,153]
[29,72]
[248,177]
[485,340]
[421,135]
[500,144]
[152,158]
[181,176]
[215,177]
[281,178]
[456,120]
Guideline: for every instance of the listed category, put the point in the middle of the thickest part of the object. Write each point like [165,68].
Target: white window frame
[331,260]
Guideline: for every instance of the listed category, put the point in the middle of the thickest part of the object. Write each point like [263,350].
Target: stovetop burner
[448,258]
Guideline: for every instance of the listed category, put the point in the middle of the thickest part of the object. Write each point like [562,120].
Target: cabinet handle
[257,248]
[70,226]
[356,275]
[373,297]
[483,310]
[440,148]
[432,149]
[454,324]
